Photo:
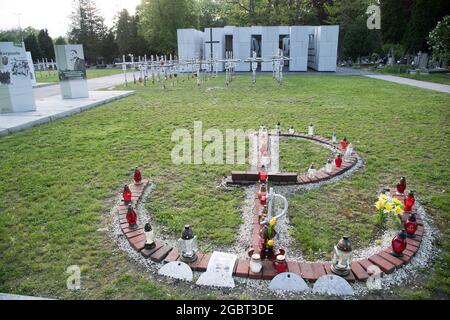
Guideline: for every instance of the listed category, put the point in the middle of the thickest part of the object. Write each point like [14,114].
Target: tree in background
[424,17]
[160,19]
[212,13]
[439,40]
[356,39]
[393,23]
[108,47]
[46,44]
[32,45]
[87,28]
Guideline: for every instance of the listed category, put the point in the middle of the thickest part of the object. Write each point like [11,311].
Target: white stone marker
[333,285]
[16,89]
[177,270]
[72,71]
[288,281]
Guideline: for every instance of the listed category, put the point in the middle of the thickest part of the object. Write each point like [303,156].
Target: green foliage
[60,41]
[46,44]
[439,40]
[87,28]
[425,15]
[128,38]
[355,38]
[393,21]
[32,45]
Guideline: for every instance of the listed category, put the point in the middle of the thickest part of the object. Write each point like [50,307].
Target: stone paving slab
[52,108]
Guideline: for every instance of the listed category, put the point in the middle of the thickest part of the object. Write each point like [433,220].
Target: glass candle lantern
[126,194]
[137,176]
[131,217]
[281,264]
[278,128]
[401,185]
[263,176]
[338,161]
[334,138]
[255,263]
[342,257]
[291,130]
[187,245]
[149,237]
[409,201]
[399,244]
[311,130]
[329,166]
[411,226]
[349,150]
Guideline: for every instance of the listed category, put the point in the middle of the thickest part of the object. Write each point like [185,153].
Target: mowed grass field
[58,181]
[52,76]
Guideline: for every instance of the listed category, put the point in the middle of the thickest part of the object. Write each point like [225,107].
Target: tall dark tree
[109,49]
[212,13]
[355,38]
[424,17]
[46,44]
[60,41]
[32,45]
[128,38]
[87,28]
[392,22]
[160,19]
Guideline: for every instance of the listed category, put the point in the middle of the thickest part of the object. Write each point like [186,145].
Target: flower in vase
[273,221]
[270,243]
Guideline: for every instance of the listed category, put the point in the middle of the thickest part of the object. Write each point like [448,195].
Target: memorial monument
[16,89]
[72,71]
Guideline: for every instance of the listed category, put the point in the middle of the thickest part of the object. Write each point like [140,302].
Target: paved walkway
[50,106]
[7,296]
[411,82]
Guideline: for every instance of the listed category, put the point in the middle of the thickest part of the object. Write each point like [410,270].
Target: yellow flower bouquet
[388,206]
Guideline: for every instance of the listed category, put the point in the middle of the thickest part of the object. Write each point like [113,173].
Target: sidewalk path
[411,82]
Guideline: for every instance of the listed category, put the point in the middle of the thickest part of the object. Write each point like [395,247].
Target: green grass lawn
[57,180]
[52,76]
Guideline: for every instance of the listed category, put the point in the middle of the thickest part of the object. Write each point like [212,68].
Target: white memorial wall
[320,54]
[16,89]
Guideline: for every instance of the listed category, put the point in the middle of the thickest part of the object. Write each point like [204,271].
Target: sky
[54,14]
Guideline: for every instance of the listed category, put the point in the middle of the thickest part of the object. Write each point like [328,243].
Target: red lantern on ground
[126,194]
[399,244]
[263,176]
[338,161]
[131,217]
[137,176]
[344,144]
[409,201]
[280,264]
[401,186]
[411,226]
